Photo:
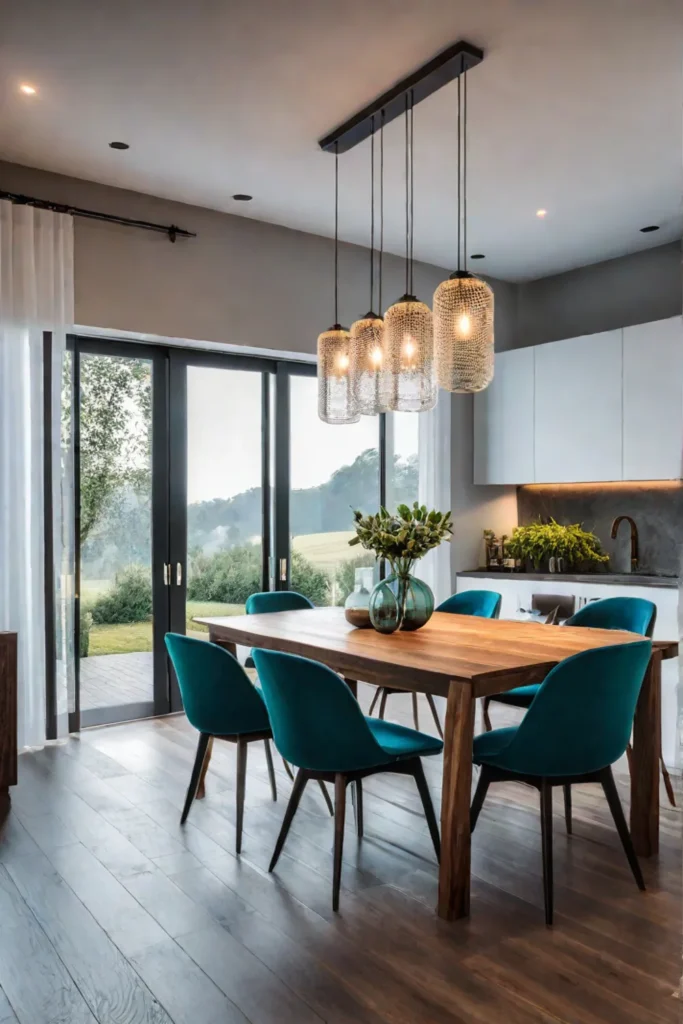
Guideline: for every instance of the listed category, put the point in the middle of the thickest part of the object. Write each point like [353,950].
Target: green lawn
[124,638]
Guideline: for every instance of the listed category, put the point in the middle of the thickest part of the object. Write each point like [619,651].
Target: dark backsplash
[656,507]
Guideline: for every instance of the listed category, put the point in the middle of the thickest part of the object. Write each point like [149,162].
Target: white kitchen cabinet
[653,400]
[504,422]
[578,409]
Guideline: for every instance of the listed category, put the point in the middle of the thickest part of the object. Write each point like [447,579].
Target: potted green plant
[401,601]
[535,544]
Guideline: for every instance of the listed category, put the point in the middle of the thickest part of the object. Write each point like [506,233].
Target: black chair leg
[485,708]
[416,716]
[378,693]
[326,797]
[610,790]
[339,816]
[547,847]
[479,796]
[426,797]
[383,702]
[202,747]
[271,769]
[435,713]
[242,748]
[294,798]
[358,805]
[568,808]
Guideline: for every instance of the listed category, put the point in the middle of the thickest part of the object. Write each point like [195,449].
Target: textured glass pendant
[367,339]
[409,354]
[336,377]
[463,333]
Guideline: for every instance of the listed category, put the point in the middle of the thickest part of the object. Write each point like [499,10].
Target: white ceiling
[576,108]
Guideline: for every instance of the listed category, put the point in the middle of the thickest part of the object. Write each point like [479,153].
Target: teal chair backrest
[276,601]
[317,723]
[484,603]
[217,695]
[633,614]
[581,718]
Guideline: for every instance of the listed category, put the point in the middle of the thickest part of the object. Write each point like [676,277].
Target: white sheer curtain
[434,461]
[36,295]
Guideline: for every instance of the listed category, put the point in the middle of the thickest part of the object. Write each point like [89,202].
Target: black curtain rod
[172,230]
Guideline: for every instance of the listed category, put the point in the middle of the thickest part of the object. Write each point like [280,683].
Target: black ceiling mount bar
[431,77]
[172,230]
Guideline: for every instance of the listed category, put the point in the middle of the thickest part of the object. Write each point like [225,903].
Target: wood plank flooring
[111,913]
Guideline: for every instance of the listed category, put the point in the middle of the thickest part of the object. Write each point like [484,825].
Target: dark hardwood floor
[111,913]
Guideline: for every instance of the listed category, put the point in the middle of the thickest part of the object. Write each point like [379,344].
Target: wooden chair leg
[383,702]
[242,748]
[202,747]
[667,782]
[435,714]
[568,808]
[294,798]
[326,797]
[479,796]
[610,790]
[416,717]
[378,692]
[547,847]
[358,805]
[271,769]
[339,816]
[201,786]
[288,769]
[485,708]
[426,797]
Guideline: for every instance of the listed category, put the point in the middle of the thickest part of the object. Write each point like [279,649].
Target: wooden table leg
[647,741]
[454,869]
[227,645]
[353,686]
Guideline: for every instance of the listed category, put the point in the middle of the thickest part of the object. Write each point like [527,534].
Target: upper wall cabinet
[578,409]
[653,400]
[504,422]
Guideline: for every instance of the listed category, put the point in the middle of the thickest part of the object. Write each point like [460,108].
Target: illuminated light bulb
[28,90]
[336,377]
[409,356]
[463,333]
[343,363]
[464,325]
[541,213]
[376,357]
[408,347]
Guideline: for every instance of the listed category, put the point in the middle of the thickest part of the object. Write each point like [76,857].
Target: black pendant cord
[336,233]
[381,212]
[464,171]
[412,193]
[407,172]
[459,171]
[372,216]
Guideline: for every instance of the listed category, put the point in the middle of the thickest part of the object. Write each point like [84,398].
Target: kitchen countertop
[617,579]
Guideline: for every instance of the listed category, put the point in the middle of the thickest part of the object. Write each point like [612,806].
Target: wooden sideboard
[8,716]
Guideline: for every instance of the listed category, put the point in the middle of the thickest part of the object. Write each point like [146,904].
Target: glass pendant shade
[463,333]
[409,355]
[367,339]
[336,377]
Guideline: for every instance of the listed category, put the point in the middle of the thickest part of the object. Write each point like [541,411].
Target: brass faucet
[634,539]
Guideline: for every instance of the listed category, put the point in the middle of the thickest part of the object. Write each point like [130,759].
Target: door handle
[178,574]
[167,574]
[283,570]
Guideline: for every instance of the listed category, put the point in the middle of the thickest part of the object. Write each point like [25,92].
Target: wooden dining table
[461,658]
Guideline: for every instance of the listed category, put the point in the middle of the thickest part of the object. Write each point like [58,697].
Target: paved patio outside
[108,680]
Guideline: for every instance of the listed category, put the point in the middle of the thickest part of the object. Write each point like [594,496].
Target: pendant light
[463,305]
[408,328]
[336,370]
[367,334]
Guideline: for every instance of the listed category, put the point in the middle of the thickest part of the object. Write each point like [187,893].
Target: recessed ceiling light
[242,197]
[119,145]
[28,90]
[477,256]
[541,213]
[650,227]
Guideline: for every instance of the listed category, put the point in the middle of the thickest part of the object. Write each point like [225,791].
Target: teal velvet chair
[281,601]
[578,725]
[483,603]
[221,703]
[319,727]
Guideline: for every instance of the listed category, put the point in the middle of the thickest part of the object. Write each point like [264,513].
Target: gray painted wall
[633,289]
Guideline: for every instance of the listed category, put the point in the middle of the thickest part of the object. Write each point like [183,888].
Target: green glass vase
[400,602]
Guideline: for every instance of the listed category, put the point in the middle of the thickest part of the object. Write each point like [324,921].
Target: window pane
[402,463]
